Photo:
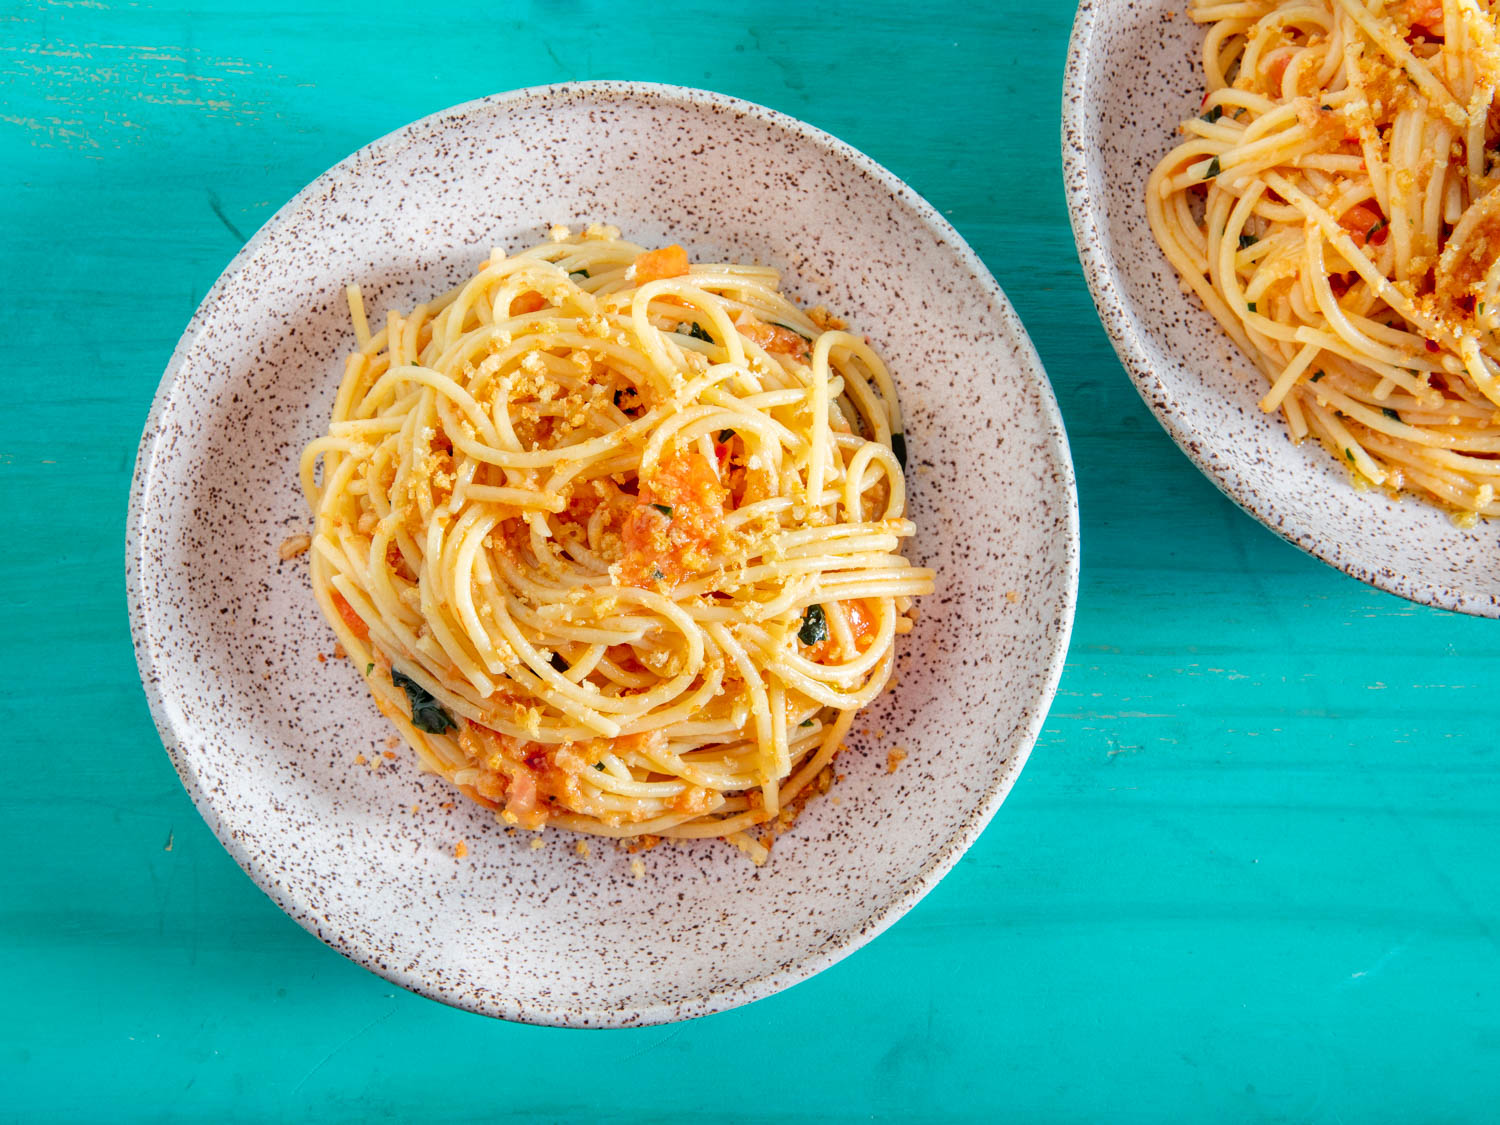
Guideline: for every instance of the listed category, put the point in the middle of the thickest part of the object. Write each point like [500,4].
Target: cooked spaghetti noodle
[615,538]
[1336,207]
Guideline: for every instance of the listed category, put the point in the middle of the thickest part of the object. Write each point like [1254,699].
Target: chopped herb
[370,667]
[1248,240]
[599,765]
[617,398]
[1329,108]
[814,626]
[789,328]
[898,447]
[1376,227]
[1251,306]
[1213,169]
[698,332]
[1481,308]
[664,509]
[579,273]
[725,435]
[1318,374]
[427,713]
[1349,453]
[656,574]
[1391,414]
[805,723]
[1239,113]
[1213,114]
[560,662]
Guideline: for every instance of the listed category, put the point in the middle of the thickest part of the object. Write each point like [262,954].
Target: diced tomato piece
[1425,14]
[861,623]
[676,522]
[355,622]
[771,337]
[1365,224]
[527,303]
[654,265]
[1277,71]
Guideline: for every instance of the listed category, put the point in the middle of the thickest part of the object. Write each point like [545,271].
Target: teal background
[1249,874]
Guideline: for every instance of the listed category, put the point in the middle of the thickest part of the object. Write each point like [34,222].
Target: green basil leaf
[814,626]
[427,713]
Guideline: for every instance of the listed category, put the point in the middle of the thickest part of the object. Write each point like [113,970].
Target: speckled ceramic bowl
[1133,74]
[266,738]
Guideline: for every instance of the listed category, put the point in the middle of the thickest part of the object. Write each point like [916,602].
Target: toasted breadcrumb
[391,743]
[825,320]
[388,753]
[582,848]
[361,760]
[1012,596]
[537,842]
[637,868]
[894,759]
[461,849]
[339,652]
[294,545]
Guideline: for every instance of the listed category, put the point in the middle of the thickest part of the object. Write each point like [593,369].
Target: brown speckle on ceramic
[1134,73]
[267,739]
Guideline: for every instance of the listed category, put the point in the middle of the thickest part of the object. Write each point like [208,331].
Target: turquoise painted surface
[1249,874]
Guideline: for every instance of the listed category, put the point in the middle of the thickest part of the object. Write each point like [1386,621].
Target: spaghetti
[615,538]
[1336,207]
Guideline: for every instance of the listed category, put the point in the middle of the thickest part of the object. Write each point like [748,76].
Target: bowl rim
[484,1000]
[1102,274]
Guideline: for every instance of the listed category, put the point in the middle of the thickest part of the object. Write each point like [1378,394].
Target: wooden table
[1249,874]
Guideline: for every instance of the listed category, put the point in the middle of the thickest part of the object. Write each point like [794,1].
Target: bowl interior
[1134,74]
[266,736]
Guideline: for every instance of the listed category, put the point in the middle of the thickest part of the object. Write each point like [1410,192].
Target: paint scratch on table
[341,1045]
[83,92]
[1385,959]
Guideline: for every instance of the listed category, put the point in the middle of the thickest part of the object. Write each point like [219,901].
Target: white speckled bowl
[265,737]
[1133,74]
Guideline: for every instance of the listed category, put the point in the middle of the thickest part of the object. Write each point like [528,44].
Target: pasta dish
[1336,207]
[615,538]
